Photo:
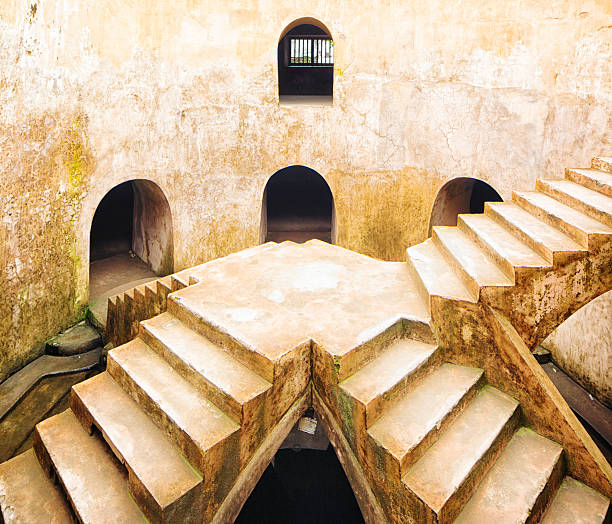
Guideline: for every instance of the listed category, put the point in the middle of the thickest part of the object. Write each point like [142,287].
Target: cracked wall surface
[185,94]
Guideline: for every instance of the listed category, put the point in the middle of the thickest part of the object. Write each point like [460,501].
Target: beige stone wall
[184,93]
[582,346]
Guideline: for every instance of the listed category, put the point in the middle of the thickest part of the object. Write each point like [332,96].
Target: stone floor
[108,273]
[298,228]
[306,100]
[111,276]
[276,296]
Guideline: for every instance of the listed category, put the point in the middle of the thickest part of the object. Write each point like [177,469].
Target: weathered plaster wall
[152,235]
[582,346]
[184,93]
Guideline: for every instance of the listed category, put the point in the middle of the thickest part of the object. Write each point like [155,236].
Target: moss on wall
[49,162]
[185,94]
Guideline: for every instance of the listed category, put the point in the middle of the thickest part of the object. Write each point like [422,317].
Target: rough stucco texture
[184,93]
[582,346]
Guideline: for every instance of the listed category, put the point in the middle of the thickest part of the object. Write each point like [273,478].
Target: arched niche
[133,221]
[306,62]
[460,195]
[297,205]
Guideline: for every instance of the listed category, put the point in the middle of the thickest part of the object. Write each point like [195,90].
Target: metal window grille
[311,51]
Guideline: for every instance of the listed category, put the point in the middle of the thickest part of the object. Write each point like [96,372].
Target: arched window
[297,205]
[130,237]
[460,195]
[306,62]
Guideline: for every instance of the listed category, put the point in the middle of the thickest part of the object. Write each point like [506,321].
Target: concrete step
[602,162]
[94,481]
[446,476]
[554,245]
[592,203]
[508,250]
[28,495]
[191,421]
[151,460]
[412,424]
[384,379]
[474,266]
[576,503]
[75,340]
[212,370]
[587,231]
[187,308]
[518,486]
[595,179]
[435,274]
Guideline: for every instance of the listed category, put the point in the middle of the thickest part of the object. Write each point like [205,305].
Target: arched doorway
[460,195]
[305,62]
[297,205]
[130,238]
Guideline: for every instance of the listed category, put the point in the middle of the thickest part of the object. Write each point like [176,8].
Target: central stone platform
[276,296]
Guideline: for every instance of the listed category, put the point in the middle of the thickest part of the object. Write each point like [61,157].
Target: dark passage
[112,226]
[481,193]
[298,205]
[303,487]
[130,240]
[459,196]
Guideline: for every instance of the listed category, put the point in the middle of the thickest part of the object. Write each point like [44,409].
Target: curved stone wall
[185,94]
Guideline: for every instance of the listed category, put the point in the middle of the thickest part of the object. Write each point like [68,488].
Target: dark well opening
[305,62]
[130,237]
[304,483]
[460,195]
[297,205]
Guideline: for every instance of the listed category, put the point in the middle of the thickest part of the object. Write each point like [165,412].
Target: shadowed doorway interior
[297,205]
[459,196]
[130,241]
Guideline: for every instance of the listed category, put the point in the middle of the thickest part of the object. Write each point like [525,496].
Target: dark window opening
[297,205]
[306,63]
[458,196]
[302,487]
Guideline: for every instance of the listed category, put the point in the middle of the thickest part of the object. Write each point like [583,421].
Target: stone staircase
[441,445]
[447,446]
[428,394]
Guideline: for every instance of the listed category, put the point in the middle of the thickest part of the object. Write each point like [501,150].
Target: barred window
[311,51]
